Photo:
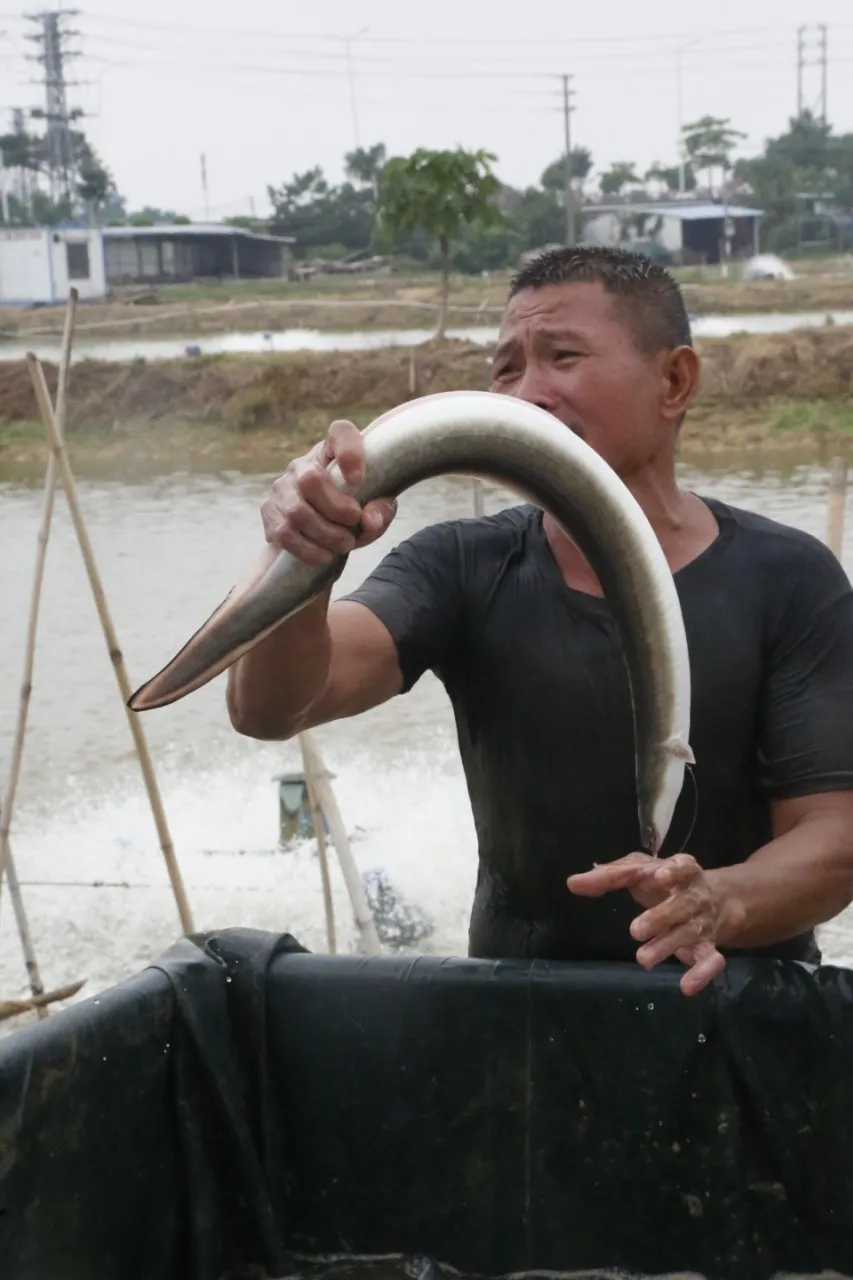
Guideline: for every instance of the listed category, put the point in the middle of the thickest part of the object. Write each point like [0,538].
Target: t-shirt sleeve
[416,592]
[805,730]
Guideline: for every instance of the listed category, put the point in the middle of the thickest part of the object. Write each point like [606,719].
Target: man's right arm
[327,661]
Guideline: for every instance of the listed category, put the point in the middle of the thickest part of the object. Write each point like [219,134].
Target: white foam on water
[411,820]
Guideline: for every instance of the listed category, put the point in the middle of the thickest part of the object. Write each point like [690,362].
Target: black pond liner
[245,1109]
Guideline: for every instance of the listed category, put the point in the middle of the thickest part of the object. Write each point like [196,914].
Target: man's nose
[536,386]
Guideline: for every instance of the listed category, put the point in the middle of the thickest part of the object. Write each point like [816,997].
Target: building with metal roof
[178,252]
[685,231]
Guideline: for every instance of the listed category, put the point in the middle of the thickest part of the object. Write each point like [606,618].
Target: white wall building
[692,231]
[41,264]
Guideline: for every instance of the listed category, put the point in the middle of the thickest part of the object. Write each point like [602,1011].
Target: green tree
[709,143]
[364,165]
[319,214]
[95,183]
[670,176]
[620,175]
[802,180]
[554,176]
[442,193]
[22,151]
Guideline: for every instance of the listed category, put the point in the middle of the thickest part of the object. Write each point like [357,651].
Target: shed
[690,231]
[38,265]
[174,253]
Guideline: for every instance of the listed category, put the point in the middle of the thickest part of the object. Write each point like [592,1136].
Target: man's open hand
[681,913]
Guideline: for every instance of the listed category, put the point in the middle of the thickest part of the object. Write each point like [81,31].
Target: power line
[511,42]
[459,66]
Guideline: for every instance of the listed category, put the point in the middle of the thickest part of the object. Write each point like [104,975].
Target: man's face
[569,349]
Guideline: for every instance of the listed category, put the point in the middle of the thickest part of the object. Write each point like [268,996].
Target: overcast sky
[261,87]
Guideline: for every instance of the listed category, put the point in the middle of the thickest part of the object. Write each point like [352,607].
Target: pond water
[169,548]
[133,348]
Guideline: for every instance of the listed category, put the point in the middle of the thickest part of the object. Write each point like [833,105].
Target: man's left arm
[800,879]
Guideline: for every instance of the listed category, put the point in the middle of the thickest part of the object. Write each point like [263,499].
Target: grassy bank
[779,391]
[384,302]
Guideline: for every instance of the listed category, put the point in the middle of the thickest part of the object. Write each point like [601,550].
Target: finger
[324,533]
[316,487]
[677,871]
[669,914]
[375,519]
[621,874]
[703,971]
[302,549]
[344,443]
[284,527]
[659,948]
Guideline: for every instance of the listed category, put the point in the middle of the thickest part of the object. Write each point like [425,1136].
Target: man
[510,616]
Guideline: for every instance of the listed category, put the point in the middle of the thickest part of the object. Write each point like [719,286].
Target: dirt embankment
[782,389]
[391,302]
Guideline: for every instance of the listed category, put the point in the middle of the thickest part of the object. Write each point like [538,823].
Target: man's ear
[679,378]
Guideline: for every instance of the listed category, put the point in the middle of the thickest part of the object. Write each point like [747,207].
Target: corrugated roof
[708,209]
[190,229]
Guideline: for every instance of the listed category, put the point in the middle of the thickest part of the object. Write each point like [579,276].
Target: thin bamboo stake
[319,831]
[11,1008]
[116,656]
[7,865]
[38,577]
[36,984]
[836,504]
[316,770]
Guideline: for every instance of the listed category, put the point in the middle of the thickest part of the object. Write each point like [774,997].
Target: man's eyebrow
[560,335]
[503,349]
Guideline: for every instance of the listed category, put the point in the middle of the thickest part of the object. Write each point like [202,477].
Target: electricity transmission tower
[51,38]
[812,47]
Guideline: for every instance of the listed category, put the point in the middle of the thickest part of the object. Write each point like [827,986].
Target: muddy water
[88,347]
[169,548]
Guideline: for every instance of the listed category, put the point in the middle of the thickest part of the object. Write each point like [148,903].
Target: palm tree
[619,175]
[439,192]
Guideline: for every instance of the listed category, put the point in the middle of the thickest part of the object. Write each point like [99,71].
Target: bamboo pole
[116,656]
[36,984]
[11,1008]
[836,504]
[319,831]
[316,769]
[38,578]
[7,865]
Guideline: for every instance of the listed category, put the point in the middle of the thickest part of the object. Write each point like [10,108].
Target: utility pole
[680,51]
[812,51]
[4,193]
[351,78]
[51,37]
[204,188]
[568,199]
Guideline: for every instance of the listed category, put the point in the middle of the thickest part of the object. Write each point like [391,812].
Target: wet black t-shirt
[539,687]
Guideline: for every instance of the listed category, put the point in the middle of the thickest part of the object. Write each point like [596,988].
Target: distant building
[684,231]
[178,253]
[38,265]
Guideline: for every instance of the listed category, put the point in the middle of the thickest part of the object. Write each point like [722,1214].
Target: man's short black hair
[649,295]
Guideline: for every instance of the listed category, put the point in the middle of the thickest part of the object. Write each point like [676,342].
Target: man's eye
[566,355]
[506,371]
